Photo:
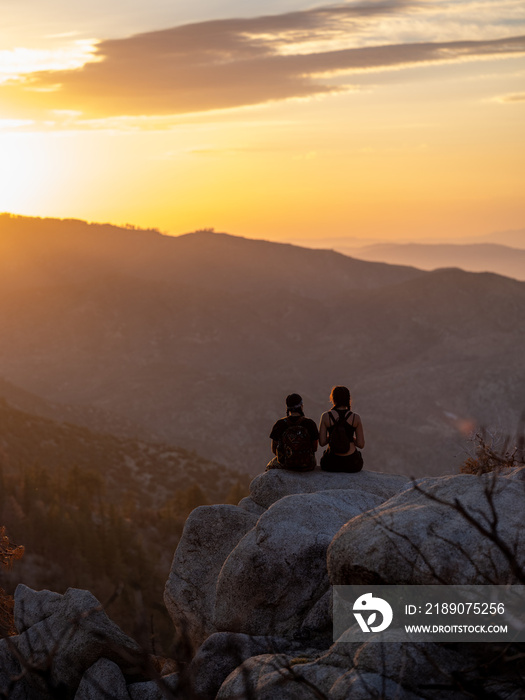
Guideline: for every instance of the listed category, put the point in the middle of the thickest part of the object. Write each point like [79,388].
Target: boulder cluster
[250,593]
[67,647]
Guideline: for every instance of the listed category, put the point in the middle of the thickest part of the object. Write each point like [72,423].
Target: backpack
[294,450]
[341,433]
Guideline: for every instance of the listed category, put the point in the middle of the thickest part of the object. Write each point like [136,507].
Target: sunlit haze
[284,120]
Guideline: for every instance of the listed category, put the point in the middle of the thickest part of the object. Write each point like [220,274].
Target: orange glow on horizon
[380,151]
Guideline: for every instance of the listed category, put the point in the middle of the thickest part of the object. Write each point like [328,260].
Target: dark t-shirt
[281,425]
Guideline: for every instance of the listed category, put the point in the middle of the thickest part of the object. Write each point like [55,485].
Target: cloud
[225,64]
[511,99]
[12,124]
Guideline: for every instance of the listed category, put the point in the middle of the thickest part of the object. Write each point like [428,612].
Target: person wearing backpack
[294,439]
[342,431]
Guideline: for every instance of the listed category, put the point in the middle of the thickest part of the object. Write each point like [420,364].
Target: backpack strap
[339,415]
[347,416]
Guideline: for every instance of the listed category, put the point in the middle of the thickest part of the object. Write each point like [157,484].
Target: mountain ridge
[147,254]
[166,351]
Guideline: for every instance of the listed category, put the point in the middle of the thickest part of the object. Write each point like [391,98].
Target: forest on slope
[103,513]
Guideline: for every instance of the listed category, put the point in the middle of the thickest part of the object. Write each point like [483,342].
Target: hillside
[95,419]
[200,345]
[92,509]
[145,474]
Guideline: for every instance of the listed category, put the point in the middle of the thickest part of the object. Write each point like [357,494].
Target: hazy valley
[140,377]
[196,340]
[473,257]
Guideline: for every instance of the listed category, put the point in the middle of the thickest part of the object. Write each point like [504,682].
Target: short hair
[340,396]
[293,401]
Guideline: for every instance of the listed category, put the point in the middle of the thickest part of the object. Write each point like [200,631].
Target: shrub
[8,553]
[494,451]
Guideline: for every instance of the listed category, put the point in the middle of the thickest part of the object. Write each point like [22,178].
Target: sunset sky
[285,119]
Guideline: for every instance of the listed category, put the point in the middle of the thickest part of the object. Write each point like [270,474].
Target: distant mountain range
[514,238]
[475,257]
[198,339]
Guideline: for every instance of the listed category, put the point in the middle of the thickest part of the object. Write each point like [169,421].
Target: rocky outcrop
[223,652]
[273,485]
[277,573]
[250,586]
[281,677]
[67,647]
[318,529]
[460,529]
[106,681]
[260,568]
[72,634]
[103,679]
[249,505]
[387,671]
[210,534]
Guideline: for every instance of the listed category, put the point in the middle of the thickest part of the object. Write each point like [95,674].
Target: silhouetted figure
[294,439]
[342,431]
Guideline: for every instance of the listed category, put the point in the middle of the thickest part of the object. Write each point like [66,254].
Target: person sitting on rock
[294,439]
[342,431]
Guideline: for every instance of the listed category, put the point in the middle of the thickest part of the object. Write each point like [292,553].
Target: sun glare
[24,172]
[387,151]
[18,62]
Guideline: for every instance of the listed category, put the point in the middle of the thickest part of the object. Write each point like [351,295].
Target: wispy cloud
[226,64]
[14,124]
[510,99]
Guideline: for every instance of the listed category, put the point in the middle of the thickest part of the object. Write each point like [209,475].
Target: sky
[285,120]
